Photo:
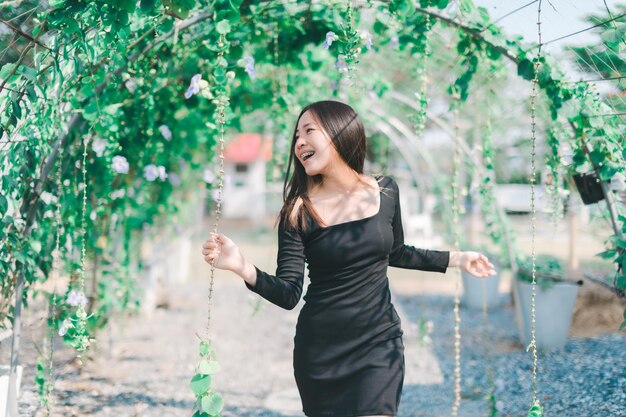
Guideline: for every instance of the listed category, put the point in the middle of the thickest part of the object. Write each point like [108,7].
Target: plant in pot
[482,291]
[555,298]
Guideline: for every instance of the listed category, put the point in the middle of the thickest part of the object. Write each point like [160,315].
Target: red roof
[248,147]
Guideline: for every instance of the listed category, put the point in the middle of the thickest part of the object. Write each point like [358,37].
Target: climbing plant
[136,95]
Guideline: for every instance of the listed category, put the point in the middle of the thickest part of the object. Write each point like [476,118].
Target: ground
[141,366]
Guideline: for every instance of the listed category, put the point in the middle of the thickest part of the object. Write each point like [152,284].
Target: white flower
[162,173]
[98,146]
[66,324]
[120,164]
[367,37]
[118,194]
[166,132]
[330,37]
[499,405]
[47,198]
[151,172]
[429,326]
[75,298]
[208,176]
[131,85]
[93,215]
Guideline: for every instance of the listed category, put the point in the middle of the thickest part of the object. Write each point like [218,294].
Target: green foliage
[114,74]
[208,402]
[496,224]
[536,410]
[548,270]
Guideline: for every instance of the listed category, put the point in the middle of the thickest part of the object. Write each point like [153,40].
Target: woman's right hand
[223,253]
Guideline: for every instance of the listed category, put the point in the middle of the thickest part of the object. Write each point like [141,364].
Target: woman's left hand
[476,264]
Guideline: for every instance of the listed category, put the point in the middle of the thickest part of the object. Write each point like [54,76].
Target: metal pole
[11,410]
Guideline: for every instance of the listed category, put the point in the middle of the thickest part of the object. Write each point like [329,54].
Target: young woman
[348,351]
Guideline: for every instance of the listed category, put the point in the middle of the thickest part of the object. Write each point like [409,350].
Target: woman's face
[314,148]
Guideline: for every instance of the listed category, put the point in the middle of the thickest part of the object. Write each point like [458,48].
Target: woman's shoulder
[386,181]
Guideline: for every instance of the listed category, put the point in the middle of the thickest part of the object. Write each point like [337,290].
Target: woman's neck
[342,180]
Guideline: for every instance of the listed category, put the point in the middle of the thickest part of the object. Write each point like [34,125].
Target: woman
[348,351]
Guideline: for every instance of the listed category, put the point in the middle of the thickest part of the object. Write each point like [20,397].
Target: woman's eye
[308,130]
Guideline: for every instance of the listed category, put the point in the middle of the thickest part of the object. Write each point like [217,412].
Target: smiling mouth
[306,155]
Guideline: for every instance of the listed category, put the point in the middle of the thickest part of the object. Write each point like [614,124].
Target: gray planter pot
[475,290]
[553,313]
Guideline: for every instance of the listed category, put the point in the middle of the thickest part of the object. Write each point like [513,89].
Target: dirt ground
[144,363]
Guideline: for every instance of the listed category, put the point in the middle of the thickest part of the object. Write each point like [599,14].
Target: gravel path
[142,366]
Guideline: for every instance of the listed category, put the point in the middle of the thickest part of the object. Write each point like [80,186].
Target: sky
[558,18]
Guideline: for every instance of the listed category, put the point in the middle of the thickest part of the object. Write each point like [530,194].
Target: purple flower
[174,179]
[151,172]
[330,37]
[341,64]
[75,298]
[120,164]
[208,176]
[166,132]
[395,41]
[194,86]
[250,66]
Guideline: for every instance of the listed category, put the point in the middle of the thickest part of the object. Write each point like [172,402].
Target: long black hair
[342,124]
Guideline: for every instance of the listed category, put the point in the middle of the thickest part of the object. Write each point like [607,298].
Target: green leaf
[28,72]
[223,27]
[535,411]
[6,70]
[200,384]
[36,245]
[208,367]
[235,4]
[466,6]
[212,403]
[525,69]
[147,5]
[17,110]
[607,254]
[620,282]
[204,348]
[4,204]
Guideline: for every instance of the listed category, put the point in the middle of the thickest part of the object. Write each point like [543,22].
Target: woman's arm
[406,256]
[409,257]
[283,289]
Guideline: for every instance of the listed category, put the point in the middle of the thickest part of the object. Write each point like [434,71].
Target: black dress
[348,353]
